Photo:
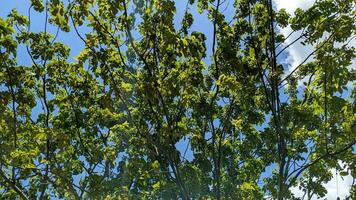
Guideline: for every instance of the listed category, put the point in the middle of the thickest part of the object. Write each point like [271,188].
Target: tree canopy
[110,123]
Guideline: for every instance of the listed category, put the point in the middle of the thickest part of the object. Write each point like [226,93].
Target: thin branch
[294,41]
[305,60]
[13,186]
[325,156]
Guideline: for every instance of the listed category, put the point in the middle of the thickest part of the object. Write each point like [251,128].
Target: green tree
[107,125]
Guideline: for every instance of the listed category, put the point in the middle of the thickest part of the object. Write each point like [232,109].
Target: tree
[108,124]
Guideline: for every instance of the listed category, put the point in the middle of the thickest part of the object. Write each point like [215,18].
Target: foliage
[110,123]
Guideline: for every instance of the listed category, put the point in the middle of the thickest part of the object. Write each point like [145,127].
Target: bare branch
[305,60]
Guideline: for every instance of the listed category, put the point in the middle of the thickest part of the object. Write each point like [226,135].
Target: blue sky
[37,25]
